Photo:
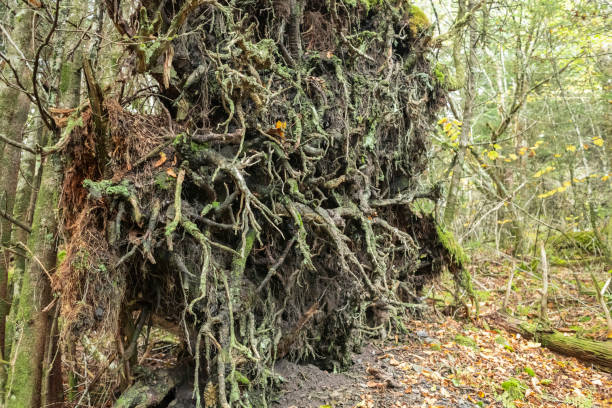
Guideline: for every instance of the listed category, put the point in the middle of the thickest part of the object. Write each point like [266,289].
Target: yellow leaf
[492,154]
[496,146]
[513,156]
[570,148]
[547,194]
[604,178]
[598,142]
[443,120]
[557,155]
[522,151]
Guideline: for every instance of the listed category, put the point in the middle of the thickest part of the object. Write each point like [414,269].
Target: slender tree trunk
[14,107]
[464,138]
[23,211]
[27,376]
[544,268]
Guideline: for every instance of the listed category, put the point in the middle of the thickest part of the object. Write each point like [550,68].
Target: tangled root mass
[264,209]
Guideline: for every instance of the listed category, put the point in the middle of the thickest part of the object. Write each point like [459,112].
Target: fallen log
[598,353]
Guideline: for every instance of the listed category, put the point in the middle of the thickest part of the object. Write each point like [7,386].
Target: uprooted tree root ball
[262,208]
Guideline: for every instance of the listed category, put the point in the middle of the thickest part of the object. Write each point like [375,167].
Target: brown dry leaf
[171,173]
[394,362]
[162,160]
[375,384]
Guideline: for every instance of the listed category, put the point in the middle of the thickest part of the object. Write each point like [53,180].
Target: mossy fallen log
[598,353]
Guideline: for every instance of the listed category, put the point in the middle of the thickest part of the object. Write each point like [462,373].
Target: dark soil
[370,382]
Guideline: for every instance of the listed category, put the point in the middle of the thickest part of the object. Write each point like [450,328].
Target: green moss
[163,181]
[61,255]
[368,4]
[239,262]
[523,310]
[513,390]
[209,207]
[197,147]
[439,72]
[466,341]
[241,378]
[97,189]
[294,189]
[447,239]
[419,21]
[501,340]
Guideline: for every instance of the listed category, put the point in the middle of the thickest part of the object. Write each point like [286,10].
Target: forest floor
[447,362]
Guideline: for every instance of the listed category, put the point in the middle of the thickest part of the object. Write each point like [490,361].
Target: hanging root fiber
[258,205]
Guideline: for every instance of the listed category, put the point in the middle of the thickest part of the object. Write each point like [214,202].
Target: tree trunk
[595,352]
[466,127]
[30,343]
[14,106]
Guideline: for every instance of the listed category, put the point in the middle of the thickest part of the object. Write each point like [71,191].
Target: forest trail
[449,364]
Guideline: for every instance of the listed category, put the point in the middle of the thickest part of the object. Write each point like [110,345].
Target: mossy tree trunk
[596,352]
[25,383]
[36,377]
[14,107]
